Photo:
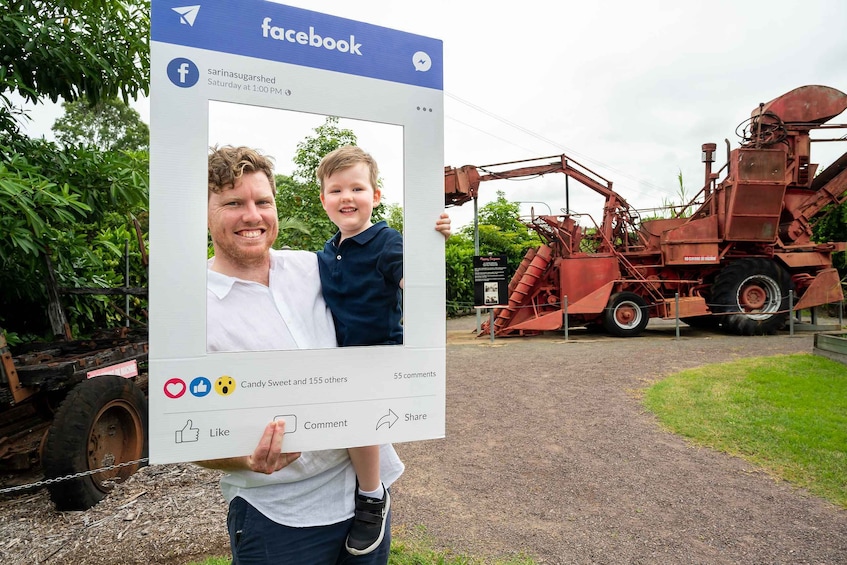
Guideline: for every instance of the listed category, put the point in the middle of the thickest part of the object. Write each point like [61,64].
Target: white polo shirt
[318,488]
[290,313]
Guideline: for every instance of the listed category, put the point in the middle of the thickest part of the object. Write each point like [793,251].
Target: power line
[558,146]
[488,133]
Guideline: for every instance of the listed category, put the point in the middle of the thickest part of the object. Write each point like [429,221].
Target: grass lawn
[787,414]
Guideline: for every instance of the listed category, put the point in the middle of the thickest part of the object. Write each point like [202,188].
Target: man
[284,508]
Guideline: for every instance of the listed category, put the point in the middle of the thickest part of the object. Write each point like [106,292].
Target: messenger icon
[422,61]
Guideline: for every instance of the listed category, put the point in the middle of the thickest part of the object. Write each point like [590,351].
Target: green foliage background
[75,201]
[500,232]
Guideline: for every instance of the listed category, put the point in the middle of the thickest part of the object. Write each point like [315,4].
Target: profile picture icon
[225,385]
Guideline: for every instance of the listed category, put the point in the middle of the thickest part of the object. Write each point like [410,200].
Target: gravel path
[548,453]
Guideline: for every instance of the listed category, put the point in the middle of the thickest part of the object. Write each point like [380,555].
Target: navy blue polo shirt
[361,285]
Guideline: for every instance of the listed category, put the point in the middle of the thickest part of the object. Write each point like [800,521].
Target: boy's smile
[349,199]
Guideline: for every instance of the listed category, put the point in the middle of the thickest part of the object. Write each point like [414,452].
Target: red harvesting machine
[731,263]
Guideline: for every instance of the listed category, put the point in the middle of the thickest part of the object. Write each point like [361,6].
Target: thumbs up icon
[187,433]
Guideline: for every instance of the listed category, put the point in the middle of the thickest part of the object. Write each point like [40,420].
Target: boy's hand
[442,224]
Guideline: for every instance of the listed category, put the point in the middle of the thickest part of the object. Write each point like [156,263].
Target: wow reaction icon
[225,385]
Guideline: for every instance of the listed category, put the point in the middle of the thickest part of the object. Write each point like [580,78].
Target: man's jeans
[256,540]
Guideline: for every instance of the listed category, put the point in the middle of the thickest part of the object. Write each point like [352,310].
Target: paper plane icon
[187,14]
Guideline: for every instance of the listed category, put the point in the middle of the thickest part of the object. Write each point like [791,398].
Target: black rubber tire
[706,322]
[101,422]
[763,280]
[626,315]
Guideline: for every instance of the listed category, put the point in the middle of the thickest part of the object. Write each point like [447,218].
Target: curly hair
[227,164]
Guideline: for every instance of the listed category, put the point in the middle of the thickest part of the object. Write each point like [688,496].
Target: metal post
[491,323]
[840,314]
[791,310]
[126,278]
[476,252]
[676,314]
[565,315]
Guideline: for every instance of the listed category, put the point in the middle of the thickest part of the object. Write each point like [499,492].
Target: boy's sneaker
[368,527]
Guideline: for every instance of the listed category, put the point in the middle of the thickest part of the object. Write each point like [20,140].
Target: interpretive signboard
[491,281]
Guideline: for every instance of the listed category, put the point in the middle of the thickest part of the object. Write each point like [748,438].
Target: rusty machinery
[731,263]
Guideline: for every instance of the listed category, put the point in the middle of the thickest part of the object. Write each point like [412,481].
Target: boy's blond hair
[343,158]
[227,164]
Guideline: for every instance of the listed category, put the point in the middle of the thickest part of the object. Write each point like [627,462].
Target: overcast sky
[631,89]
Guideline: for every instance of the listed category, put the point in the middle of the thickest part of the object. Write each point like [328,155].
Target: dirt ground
[548,453]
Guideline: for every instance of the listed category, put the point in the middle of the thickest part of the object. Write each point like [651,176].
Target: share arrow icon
[390,419]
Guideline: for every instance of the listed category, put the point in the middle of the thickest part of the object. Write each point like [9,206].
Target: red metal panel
[593,303]
[695,242]
[581,275]
[755,202]
[688,306]
[811,103]
[825,289]
[804,259]
[548,322]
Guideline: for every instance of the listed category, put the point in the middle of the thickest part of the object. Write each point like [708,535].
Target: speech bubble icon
[421,61]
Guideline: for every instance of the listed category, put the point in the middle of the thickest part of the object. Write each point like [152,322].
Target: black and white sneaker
[368,527]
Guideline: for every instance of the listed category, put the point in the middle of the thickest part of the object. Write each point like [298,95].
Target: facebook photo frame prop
[259,54]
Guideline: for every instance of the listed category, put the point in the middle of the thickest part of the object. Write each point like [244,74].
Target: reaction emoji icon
[174,388]
[225,385]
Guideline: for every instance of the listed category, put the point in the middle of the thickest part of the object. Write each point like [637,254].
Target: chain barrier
[646,307]
[70,477]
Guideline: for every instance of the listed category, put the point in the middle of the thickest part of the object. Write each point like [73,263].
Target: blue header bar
[275,32]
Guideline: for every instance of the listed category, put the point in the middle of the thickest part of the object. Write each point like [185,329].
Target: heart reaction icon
[174,388]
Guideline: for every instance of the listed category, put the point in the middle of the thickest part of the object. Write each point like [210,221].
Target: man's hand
[267,457]
[442,224]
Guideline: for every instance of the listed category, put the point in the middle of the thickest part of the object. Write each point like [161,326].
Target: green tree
[832,226]
[500,232]
[503,214]
[458,256]
[72,49]
[109,125]
[74,206]
[71,203]
[394,216]
[290,227]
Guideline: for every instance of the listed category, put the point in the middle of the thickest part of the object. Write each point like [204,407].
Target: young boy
[361,270]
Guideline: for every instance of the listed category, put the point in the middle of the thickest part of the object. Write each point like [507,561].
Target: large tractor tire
[101,423]
[707,322]
[751,297]
[626,315]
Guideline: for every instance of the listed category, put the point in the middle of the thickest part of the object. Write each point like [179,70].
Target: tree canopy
[108,125]
[70,204]
[500,232]
[72,49]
